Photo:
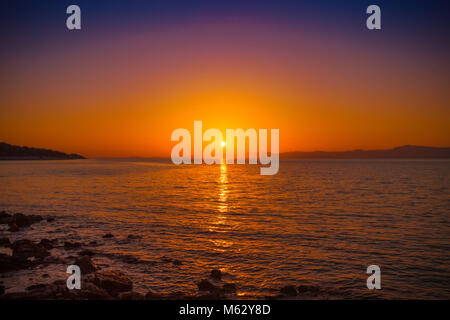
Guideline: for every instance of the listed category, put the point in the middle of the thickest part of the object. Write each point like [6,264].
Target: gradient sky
[138,70]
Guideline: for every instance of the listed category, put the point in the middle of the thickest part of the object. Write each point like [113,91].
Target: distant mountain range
[403,152]
[10,152]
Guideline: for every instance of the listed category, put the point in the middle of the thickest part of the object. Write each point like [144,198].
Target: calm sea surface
[317,222]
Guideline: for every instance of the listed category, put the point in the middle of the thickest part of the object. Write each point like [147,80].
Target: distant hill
[403,152]
[10,152]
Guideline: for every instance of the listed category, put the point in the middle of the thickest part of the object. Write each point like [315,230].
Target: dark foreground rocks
[18,221]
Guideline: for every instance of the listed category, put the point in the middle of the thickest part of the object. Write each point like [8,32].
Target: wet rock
[289,291]
[36,286]
[26,248]
[134,237]
[229,288]
[13,227]
[86,265]
[205,285]
[71,245]
[4,242]
[5,218]
[177,262]
[46,243]
[10,263]
[216,274]
[129,259]
[45,275]
[114,282]
[130,295]
[108,235]
[153,296]
[305,289]
[23,221]
[87,252]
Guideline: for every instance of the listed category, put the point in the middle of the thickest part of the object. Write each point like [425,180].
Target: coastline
[99,284]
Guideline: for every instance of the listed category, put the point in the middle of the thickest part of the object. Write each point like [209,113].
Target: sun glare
[223,143]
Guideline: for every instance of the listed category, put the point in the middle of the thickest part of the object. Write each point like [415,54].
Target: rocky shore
[97,283]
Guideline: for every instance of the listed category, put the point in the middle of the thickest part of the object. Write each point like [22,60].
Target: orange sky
[122,94]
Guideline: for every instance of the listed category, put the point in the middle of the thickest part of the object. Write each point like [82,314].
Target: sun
[223,144]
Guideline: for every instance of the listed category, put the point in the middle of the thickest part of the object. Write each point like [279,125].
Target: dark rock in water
[50,219]
[36,286]
[177,262]
[229,288]
[86,265]
[216,274]
[153,296]
[289,291]
[71,245]
[45,275]
[130,295]
[46,243]
[132,236]
[13,227]
[114,282]
[129,259]
[178,295]
[88,252]
[26,248]
[108,235]
[5,218]
[10,263]
[4,242]
[205,285]
[22,220]
[305,289]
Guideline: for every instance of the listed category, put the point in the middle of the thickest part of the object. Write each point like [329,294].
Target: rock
[114,282]
[45,275]
[10,263]
[289,291]
[129,259]
[22,220]
[13,227]
[5,218]
[4,242]
[108,235]
[26,248]
[89,253]
[308,289]
[216,274]
[36,286]
[153,296]
[86,265]
[46,243]
[71,245]
[177,262]
[130,295]
[50,219]
[132,236]
[229,288]
[205,285]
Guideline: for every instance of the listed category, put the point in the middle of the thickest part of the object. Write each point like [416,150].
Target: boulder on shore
[114,282]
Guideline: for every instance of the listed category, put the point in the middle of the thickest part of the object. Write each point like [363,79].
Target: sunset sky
[137,71]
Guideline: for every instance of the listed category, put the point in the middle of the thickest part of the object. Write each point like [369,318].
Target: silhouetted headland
[403,152]
[11,152]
